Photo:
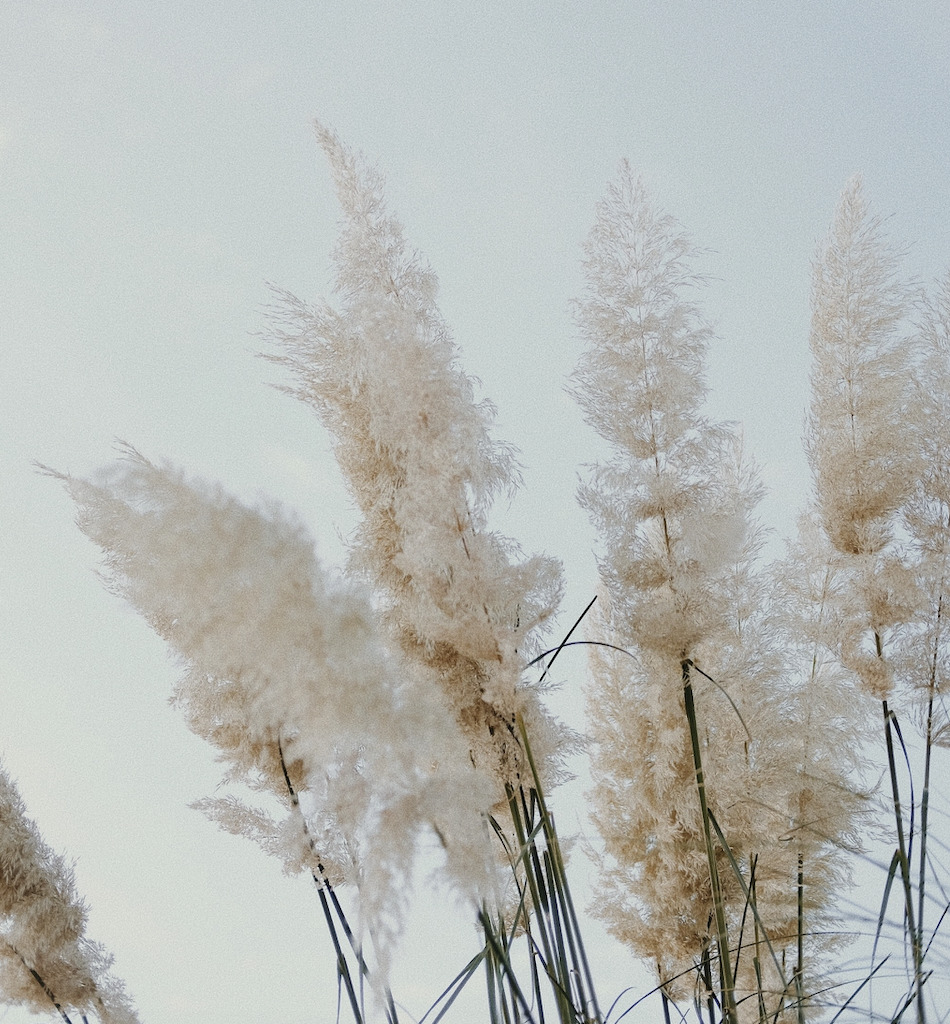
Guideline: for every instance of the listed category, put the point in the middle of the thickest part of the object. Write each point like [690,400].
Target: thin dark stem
[800,958]
[343,970]
[558,931]
[925,795]
[327,898]
[490,980]
[453,990]
[563,643]
[725,967]
[47,991]
[578,643]
[587,1003]
[323,886]
[708,982]
[499,955]
[529,858]
[916,950]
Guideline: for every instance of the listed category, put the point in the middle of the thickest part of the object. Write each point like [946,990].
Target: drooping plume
[287,676]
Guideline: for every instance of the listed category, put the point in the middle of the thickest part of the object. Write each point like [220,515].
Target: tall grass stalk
[546,908]
[330,904]
[903,858]
[727,983]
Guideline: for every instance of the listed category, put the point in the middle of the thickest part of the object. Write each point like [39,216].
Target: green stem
[492,984]
[925,795]
[800,959]
[916,950]
[498,954]
[580,966]
[706,972]
[342,968]
[328,896]
[725,965]
[534,878]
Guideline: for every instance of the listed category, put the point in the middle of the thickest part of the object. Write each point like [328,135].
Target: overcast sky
[157,169]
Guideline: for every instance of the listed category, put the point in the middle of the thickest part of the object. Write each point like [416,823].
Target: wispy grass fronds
[729,731]
[675,531]
[877,388]
[286,674]
[925,644]
[377,705]
[47,964]
[862,439]
[462,604]
[719,849]
[415,448]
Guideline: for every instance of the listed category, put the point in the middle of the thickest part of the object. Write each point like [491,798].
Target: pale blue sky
[157,168]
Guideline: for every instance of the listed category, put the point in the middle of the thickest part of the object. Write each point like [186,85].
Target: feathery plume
[862,438]
[927,521]
[641,383]
[46,961]
[287,676]
[874,446]
[824,726]
[666,532]
[863,434]
[675,508]
[414,446]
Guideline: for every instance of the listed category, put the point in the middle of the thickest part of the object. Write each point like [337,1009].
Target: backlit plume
[387,701]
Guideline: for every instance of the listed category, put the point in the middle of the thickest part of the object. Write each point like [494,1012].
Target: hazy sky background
[157,168]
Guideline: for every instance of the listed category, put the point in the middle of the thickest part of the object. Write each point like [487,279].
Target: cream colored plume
[675,510]
[47,963]
[381,371]
[286,674]
[864,431]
